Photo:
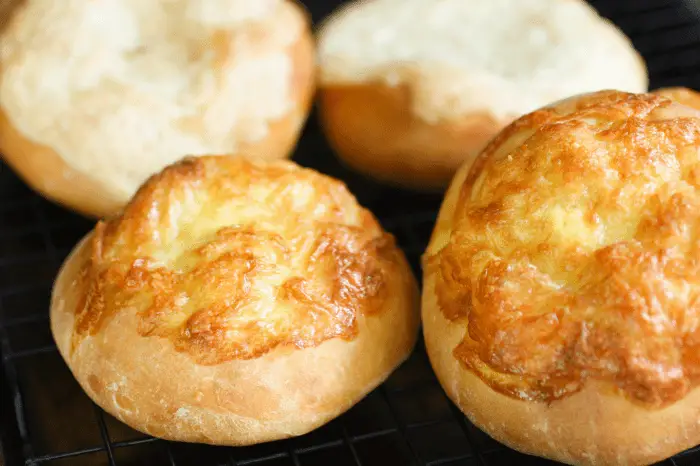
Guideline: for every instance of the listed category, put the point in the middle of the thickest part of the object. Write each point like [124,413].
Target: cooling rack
[46,418]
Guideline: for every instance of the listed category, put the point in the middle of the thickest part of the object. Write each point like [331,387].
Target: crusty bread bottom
[373,129]
[46,172]
[595,426]
[147,384]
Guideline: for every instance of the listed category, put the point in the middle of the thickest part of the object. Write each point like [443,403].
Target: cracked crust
[234,302]
[134,100]
[560,307]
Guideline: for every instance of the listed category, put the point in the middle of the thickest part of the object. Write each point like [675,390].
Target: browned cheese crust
[234,302]
[682,95]
[562,282]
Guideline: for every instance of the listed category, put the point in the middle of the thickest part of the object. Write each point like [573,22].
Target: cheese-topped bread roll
[96,96]
[561,307]
[234,302]
[409,89]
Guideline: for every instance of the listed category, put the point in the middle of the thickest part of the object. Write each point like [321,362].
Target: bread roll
[409,89]
[234,302]
[562,286]
[95,96]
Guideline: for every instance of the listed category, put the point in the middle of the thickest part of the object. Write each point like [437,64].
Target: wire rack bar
[11,376]
[104,434]
[274,456]
[450,459]
[351,446]
[65,454]
[464,425]
[371,435]
[23,320]
[317,447]
[401,426]
[30,352]
[171,458]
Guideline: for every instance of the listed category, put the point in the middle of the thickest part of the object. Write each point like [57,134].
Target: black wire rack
[47,419]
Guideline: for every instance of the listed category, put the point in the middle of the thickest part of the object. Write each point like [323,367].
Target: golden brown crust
[49,174]
[46,172]
[593,427]
[682,95]
[239,286]
[406,101]
[561,282]
[373,129]
[204,293]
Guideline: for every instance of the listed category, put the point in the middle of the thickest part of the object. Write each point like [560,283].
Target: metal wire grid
[406,421]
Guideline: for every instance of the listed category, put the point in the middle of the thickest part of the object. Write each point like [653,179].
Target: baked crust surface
[406,101]
[573,252]
[162,82]
[467,57]
[561,282]
[375,133]
[260,298]
[682,95]
[230,259]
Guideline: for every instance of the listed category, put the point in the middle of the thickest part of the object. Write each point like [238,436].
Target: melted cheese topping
[460,56]
[682,95]
[121,88]
[230,259]
[574,251]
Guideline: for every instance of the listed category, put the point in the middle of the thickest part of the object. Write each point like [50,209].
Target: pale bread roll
[561,286]
[234,302]
[95,96]
[409,89]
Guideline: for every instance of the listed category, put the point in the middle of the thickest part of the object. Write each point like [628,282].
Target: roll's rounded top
[573,253]
[78,76]
[462,56]
[231,258]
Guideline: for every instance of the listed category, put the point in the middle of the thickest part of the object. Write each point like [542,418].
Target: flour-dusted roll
[409,89]
[96,96]
[561,307]
[234,302]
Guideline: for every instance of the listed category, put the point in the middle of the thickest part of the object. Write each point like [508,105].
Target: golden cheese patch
[230,258]
[574,251]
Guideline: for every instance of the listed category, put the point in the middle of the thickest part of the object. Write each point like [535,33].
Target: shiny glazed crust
[372,129]
[57,178]
[559,299]
[234,302]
